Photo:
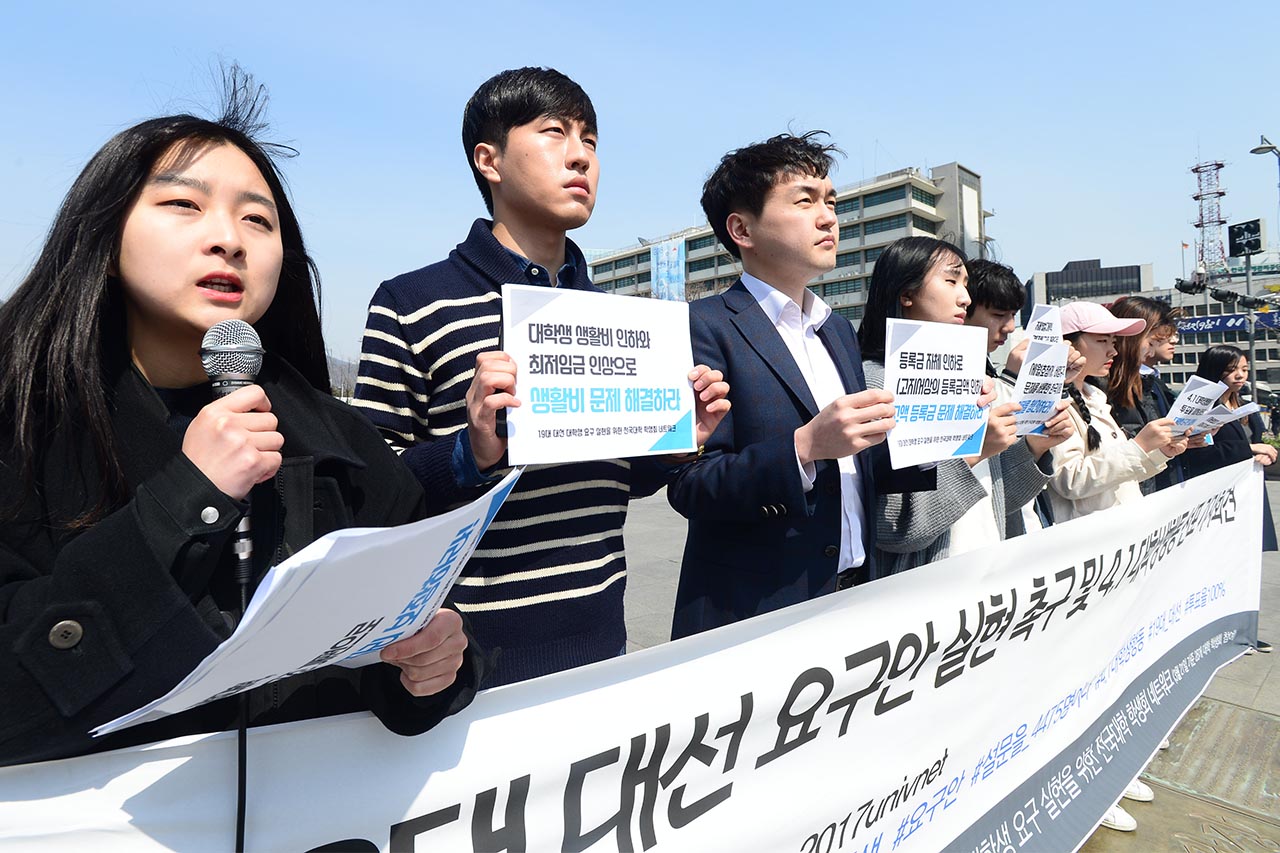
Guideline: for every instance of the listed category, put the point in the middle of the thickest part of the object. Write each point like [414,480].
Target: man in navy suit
[778,503]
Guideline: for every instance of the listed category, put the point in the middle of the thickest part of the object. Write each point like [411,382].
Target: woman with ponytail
[1099,466]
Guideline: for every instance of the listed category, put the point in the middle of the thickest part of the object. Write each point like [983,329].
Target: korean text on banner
[598,376]
[667,270]
[1001,698]
[339,601]
[935,372]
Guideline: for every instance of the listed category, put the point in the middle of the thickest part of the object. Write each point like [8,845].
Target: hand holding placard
[493,389]
[847,426]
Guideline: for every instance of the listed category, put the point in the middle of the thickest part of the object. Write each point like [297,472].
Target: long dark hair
[1124,384]
[900,271]
[65,322]
[1216,362]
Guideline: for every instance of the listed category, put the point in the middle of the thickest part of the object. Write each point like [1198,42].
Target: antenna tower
[1210,252]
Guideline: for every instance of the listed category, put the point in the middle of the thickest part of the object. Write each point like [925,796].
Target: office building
[872,214]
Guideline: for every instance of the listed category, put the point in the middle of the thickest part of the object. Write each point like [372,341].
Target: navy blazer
[757,541]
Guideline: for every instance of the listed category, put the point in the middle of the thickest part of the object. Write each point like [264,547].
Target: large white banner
[1001,699]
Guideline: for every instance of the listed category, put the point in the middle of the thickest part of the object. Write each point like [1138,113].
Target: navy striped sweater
[546,583]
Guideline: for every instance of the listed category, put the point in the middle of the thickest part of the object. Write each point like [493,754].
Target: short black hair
[899,271]
[994,285]
[514,97]
[744,177]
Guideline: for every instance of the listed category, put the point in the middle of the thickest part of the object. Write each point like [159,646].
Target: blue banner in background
[666,260]
[1226,323]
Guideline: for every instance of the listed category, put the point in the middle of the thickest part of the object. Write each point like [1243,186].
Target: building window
[607,266]
[701,264]
[873,255]
[852,285]
[848,259]
[700,242]
[850,312]
[924,224]
[849,231]
[623,263]
[884,197]
[889,223]
[644,277]
[642,259]
[924,197]
[847,205]
[625,281]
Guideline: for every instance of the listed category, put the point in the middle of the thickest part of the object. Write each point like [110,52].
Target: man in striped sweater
[545,585]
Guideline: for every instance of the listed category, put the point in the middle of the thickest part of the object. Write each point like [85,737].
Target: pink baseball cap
[1092,317]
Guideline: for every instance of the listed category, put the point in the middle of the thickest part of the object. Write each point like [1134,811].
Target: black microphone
[232,355]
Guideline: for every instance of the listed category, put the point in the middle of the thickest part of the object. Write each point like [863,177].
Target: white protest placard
[338,601]
[1220,416]
[1198,396]
[598,376]
[935,372]
[1045,325]
[1039,385]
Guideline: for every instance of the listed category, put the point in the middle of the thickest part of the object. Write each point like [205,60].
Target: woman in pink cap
[1099,466]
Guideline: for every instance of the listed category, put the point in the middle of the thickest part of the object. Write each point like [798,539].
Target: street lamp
[1265,146]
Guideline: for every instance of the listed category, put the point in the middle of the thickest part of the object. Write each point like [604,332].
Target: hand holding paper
[1163,435]
[710,400]
[1002,432]
[492,389]
[1057,429]
[847,426]
[429,660]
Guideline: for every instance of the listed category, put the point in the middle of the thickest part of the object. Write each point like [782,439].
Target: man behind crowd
[545,585]
[997,296]
[777,506]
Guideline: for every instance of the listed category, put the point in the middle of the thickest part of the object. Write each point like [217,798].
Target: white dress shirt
[798,326]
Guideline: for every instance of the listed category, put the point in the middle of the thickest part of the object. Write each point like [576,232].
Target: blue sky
[1083,119]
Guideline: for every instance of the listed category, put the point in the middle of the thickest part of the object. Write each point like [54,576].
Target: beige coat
[1085,481]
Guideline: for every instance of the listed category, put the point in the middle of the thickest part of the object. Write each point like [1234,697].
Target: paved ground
[1217,786]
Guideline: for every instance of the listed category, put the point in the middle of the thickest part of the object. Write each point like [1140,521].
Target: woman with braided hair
[1099,466]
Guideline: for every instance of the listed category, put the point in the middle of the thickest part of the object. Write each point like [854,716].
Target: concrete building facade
[947,203]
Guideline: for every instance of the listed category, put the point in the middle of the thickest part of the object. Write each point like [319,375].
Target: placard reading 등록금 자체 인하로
[597,376]
[935,372]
